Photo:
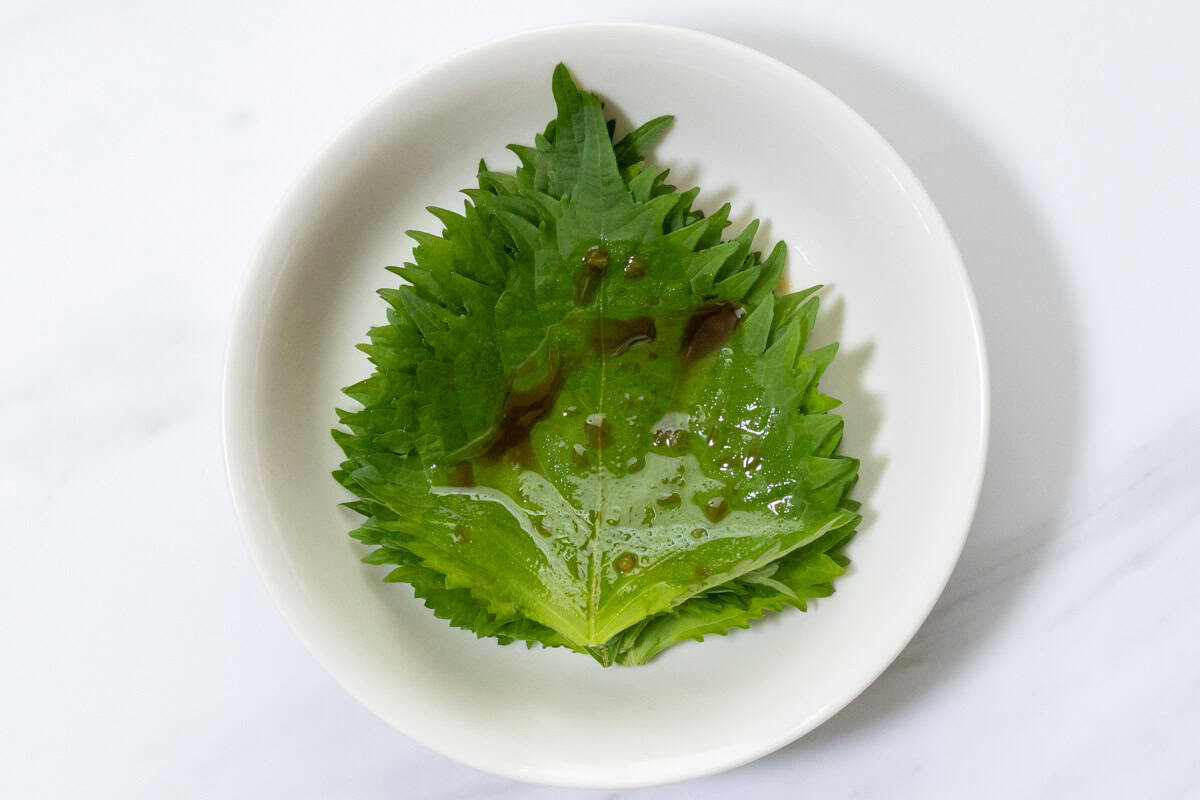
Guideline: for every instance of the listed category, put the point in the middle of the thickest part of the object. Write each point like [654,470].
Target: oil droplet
[716,508]
[668,500]
[597,428]
[462,474]
[589,275]
[461,534]
[580,456]
[701,571]
[635,464]
[626,562]
[669,437]
[596,257]
[570,411]
[636,266]
[708,329]
[699,533]
[613,521]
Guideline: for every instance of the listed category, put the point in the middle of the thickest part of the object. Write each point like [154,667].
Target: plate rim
[250,315]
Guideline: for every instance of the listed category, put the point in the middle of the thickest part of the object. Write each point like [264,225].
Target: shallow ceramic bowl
[911,371]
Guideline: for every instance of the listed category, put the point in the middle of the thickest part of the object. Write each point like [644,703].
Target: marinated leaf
[592,423]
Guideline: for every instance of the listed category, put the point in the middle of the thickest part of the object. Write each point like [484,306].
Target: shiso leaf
[592,423]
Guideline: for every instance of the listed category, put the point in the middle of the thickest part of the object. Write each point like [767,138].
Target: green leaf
[630,149]
[592,424]
[789,582]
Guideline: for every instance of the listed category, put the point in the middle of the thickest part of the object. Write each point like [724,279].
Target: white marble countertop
[144,148]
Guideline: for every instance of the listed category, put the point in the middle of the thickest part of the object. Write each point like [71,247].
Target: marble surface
[143,150]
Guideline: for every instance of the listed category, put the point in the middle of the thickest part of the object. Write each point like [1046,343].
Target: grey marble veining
[143,150]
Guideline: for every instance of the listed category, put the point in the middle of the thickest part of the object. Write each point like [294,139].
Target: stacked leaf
[592,423]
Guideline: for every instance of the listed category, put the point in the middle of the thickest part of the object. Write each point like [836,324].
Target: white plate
[912,373]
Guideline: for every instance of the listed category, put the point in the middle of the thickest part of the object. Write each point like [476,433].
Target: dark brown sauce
[598,429]
[524,408]
[636,267]
[708,329]
[461,474]
[579,455]
[612,337]
[520,454]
